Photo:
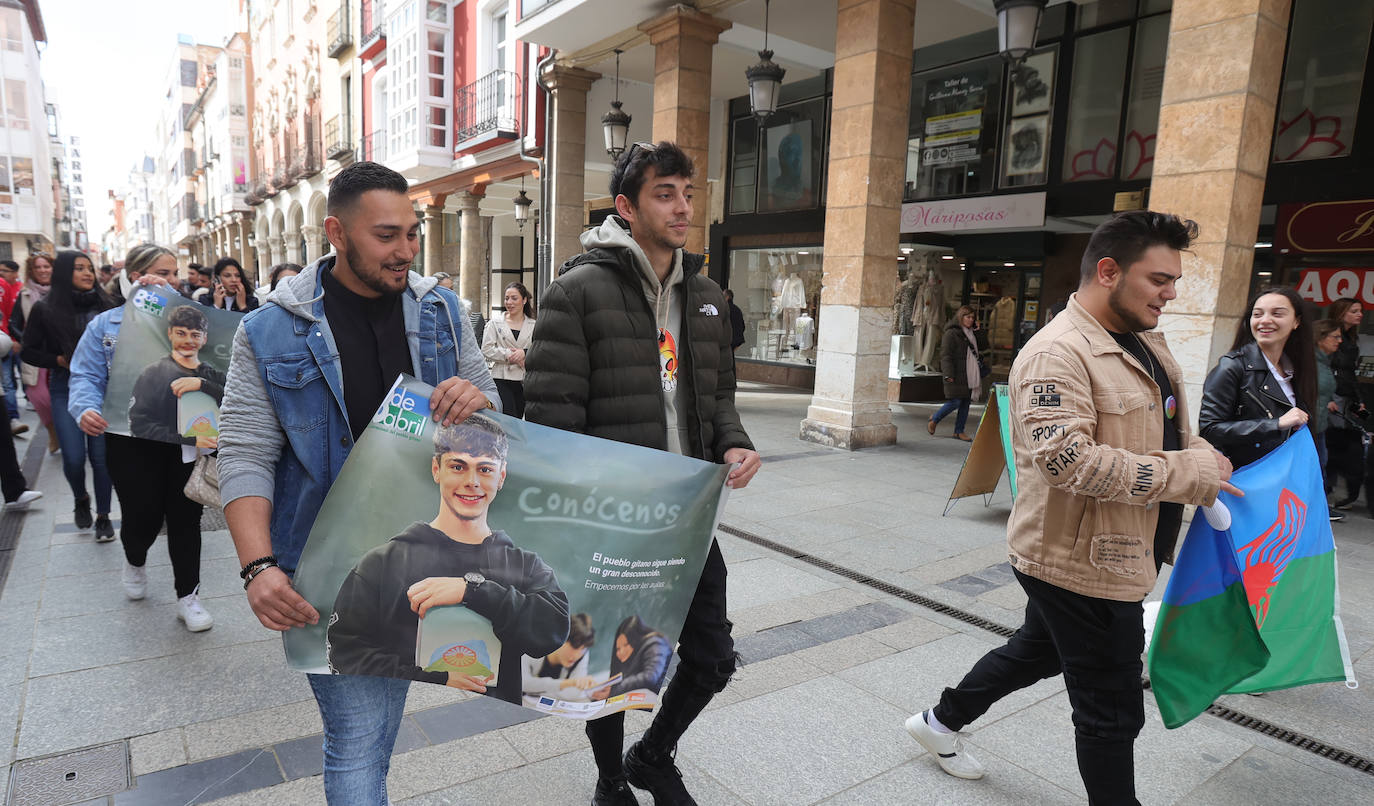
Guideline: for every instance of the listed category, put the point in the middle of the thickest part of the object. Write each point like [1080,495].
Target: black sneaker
[1345,503]
[613,792]
[104,530]
[83,513]
[659,776]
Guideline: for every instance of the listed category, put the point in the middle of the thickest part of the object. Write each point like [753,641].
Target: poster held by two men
[533,565]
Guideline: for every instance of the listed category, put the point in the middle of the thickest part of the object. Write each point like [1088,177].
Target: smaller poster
[167,377]
[1032,85]
[788,180]
[1028,145]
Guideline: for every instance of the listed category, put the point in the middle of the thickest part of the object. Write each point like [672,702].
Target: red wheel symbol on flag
[1266,557]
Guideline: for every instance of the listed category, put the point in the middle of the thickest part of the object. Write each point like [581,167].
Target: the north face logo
[709,310]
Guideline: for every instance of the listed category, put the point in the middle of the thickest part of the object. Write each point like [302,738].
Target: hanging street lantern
[765,78]
[1017,24]
[615,124]
[522,207]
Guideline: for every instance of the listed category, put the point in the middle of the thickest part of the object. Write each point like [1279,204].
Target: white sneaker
[135,581]
[190,611]
[947,748]
[22,502]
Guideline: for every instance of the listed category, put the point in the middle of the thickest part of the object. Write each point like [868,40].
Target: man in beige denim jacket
[1105,461]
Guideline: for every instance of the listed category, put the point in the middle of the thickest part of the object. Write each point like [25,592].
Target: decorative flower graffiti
[1323,137]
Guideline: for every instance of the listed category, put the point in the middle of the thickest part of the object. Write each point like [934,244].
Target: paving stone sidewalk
[832,666]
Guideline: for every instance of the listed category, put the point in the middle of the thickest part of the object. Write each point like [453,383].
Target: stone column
[682,39]
[275,248]
[862,224]
[292,242]
[312,236]
[470,272]
[434,235]
[568,145]
[1216,122]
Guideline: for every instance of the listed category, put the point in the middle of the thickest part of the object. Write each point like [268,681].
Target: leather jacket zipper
[1255,397]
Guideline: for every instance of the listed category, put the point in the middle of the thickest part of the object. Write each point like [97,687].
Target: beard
[372,280]
[1133,322]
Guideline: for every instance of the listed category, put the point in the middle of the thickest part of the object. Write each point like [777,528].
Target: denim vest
[298,362]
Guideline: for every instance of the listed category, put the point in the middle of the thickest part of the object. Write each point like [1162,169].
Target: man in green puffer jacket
[632,343]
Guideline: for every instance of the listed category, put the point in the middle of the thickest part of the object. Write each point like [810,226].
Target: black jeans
[1096,644]
[11,477]
[706,661]
[150,479]
[512,397]
[1345,460]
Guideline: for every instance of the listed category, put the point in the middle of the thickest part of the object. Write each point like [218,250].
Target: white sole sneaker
[946,748]
[193,614]
[23,501]
[135,581]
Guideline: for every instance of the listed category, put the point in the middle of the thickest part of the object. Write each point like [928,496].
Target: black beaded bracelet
[257,569]
[248,568]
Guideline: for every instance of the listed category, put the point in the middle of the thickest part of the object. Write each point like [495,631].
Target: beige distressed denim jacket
[1087,433]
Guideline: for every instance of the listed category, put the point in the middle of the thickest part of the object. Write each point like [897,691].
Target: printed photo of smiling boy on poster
[167,377]
[483,555]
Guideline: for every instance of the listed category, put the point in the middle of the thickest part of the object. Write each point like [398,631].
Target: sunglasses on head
[637,147]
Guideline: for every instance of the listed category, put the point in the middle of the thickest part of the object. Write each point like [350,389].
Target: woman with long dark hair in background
[1266,387]
[51,334]
[504,343]
[233,290]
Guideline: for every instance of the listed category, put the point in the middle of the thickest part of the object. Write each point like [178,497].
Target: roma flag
[1254,607]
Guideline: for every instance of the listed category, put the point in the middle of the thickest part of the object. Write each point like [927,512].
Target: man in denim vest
[308,371]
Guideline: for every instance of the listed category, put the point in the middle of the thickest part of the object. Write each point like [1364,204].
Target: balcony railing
[338,141]
[489,104]
[373,147]
[373,19]
[339,33]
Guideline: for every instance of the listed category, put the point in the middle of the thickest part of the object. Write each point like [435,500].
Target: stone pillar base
[848,437]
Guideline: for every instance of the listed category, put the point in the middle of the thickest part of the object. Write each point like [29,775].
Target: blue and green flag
[1254,607]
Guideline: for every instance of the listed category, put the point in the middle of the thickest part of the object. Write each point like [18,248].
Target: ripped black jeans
[706,661]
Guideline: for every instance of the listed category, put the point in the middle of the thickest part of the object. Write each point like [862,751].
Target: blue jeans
[77,447]
[962,419]
[361,716]
[7,370]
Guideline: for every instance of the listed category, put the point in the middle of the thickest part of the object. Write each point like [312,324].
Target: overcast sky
[106,65]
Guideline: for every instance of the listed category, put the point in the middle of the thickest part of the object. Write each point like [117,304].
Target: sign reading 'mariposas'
[534,565]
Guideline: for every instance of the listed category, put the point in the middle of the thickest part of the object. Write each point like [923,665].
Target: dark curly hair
[1126,236]
[627,178]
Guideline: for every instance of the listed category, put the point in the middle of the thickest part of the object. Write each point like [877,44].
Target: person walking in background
[200,283]
[736,321]
[280,272]
[10,288]
[233,291]
[329,344]
[1099,506]
[12,482]
[1328,338]
[51,333]
[37,279]
[961,361]
[1345,440]
[1265,388]
[504,344]
[633,345]
[149,476]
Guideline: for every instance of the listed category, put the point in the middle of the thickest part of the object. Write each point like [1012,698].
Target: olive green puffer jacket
[594,364]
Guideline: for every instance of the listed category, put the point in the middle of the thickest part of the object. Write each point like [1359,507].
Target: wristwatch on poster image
[474,580]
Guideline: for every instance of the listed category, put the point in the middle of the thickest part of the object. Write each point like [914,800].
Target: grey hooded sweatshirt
[665,298]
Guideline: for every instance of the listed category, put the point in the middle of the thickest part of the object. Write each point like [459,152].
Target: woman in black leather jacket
[1246,410]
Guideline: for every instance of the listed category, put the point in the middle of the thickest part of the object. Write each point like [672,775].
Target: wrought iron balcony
[373,147]
[489,104]
[373,19]
[339,33]
[338,139]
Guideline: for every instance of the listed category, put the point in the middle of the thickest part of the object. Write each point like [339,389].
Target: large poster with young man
[534,565]
[167,378]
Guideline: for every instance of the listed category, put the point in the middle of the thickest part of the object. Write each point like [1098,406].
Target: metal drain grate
[876,584]
[73,777]
[1256,724]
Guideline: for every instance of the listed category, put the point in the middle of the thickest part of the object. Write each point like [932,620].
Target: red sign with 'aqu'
[1325,286]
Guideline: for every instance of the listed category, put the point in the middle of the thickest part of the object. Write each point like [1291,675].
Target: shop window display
[779,291]
[1147,85]
[928,291]
[952,139]
[1095,95]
